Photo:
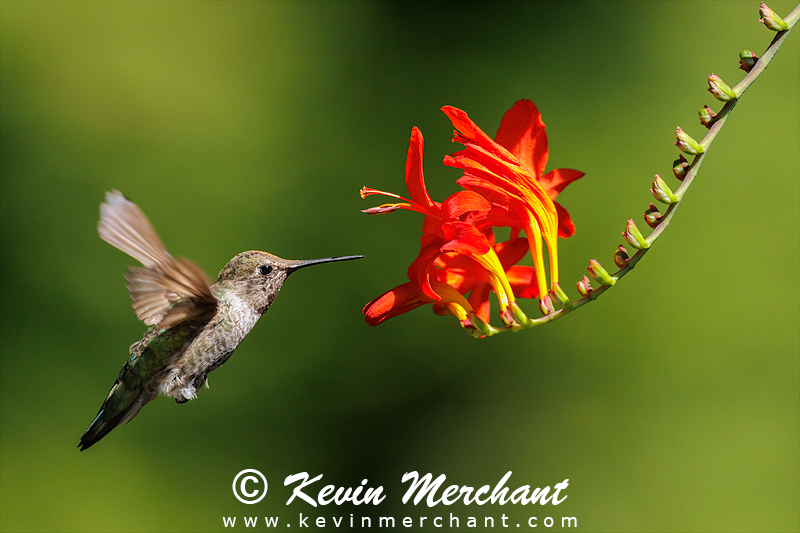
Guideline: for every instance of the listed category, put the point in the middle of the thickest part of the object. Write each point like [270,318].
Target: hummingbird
[194,326]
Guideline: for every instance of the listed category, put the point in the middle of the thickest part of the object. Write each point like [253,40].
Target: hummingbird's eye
[264,269]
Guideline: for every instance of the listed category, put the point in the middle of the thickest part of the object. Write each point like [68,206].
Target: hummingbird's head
[256,277]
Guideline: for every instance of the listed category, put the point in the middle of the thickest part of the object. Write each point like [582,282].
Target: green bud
[680,167]
[518,314]
[599,273]
[479,325]
[747,60]
[720,89]
[546,305]
[584,286]
[634,237]
[508,318]
[662,192]
[652,216]
[561,296]
[686,144]
[707,116]
[770,19]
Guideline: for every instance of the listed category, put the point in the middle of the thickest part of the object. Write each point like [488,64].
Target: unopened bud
[599,273]
[680,167]
[561,296]
[478,325]
[686,144]
[634,237]
[720,89]
[508,318]
[747,60]
[652,216]
[546,305]
[770,19]
[662,192]
[518,314]
[621,257]
[584,286]
[707,116]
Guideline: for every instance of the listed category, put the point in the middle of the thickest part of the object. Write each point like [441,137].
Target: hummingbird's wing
[166,291]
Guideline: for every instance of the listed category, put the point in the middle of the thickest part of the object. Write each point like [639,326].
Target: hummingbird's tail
[119,408]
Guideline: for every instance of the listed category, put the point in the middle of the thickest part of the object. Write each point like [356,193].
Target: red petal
[465,239]
[523,134]
[458,278]
[554,181]
[415,181]
[459,271]
[494,193]
[401,299]
[479,300]
[464,124]
[422,270]
[511,252]
[500,168]
[523,281]
[432,226]
[565,226]
[471,136]
[506,210]
[463,202]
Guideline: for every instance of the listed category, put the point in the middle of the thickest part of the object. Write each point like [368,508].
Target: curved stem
[715,128]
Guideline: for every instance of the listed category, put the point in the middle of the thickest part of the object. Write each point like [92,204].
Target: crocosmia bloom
[509,171]
[504,184]
[443,229]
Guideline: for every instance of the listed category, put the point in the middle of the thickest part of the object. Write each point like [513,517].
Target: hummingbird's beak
[296,265]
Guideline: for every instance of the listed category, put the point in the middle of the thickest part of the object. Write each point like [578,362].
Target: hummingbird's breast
[210,349]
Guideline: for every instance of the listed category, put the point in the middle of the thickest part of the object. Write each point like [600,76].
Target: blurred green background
[670,404]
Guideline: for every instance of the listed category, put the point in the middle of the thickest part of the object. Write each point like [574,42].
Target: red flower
[444,231]
[509,172]
[522,133]
[504,185]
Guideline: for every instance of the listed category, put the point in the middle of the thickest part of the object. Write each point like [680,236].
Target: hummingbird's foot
[185,394]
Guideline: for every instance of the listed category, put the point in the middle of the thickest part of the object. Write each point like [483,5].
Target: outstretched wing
[166,291]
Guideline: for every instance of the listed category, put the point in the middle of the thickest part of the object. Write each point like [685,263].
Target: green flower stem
[719,121]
